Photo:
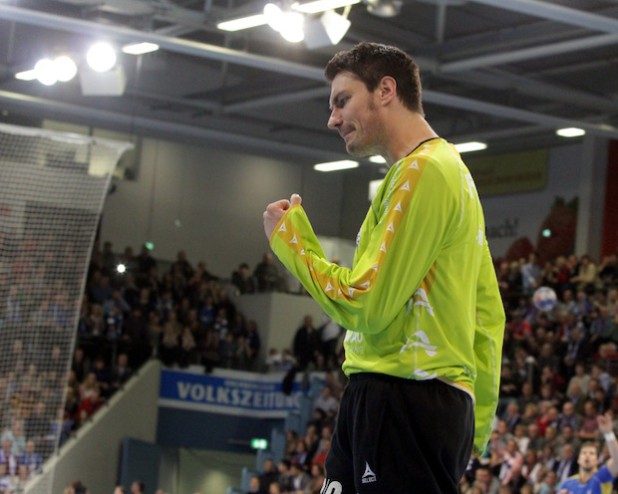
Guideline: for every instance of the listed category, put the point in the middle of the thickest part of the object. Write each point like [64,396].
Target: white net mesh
[53,188]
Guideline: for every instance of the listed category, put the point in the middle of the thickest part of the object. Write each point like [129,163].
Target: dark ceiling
[508,72]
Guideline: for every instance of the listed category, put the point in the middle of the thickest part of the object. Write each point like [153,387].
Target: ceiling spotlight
[26,75]
[384,8]
[242,23]
[377,159]
[467,147]
[571,132]
[101,57]
[322,5]
[139,48]
[65,67]
[292,27]
[46,72]
[332,166]
[274,16]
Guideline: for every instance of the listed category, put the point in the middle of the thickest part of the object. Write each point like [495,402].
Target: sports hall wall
[209,201]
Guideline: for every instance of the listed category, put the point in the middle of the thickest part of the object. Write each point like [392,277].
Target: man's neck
[584,475]
[405,136]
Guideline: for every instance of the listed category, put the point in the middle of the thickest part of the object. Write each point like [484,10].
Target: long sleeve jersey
[421,300]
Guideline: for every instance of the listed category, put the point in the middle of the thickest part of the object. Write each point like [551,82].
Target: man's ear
[387,90]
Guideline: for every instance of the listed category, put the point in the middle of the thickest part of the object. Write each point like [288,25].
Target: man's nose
[334,121]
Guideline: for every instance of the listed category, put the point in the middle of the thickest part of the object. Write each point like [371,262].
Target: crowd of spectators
[558,374]
[558,369]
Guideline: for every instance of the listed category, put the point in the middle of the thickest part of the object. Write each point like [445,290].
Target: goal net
[52,190]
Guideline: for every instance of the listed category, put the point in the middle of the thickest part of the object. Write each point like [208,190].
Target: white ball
[544,298]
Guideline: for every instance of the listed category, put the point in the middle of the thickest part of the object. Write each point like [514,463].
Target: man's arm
[606,427]
[488,337]
[408,229]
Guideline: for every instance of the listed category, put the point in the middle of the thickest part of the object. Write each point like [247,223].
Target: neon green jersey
[421,300]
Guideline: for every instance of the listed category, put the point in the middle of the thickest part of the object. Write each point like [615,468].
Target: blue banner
[228,392]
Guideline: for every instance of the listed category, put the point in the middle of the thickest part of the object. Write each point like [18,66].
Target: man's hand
[605,423]
[275,210]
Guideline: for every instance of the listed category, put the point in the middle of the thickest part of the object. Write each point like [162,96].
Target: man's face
[354,115]
[588,459]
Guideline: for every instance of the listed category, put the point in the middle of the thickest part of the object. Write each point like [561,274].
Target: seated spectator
[243,280]
[121,372]
[589,427]
[254,486]
[284,479]
[6,479]
[17,437]
[327,402]
[566,466]
[7,457]
[267,274]
[268,475]
[30,458]
[299,478]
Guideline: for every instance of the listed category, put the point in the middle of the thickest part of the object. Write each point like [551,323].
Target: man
[421,303]
[591,480]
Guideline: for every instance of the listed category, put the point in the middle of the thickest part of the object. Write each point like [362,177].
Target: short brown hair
[370,62]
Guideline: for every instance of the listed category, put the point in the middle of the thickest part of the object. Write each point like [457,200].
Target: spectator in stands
[569,417]
[6,480]
[79,365]
[267,274]
[254,485]
[144,262]
[243,280]
[299,478]
[284,479]
[589,477]
[121,372]
[136,336]
[530,274]
[268,475]
[16,435]
[327,402]
[274,488]
[103,376]
[181,266]
[589,427]
[30,458]
[249,345]
[585,278]
[306,343]
[489,483]
[567,464]
[8,458]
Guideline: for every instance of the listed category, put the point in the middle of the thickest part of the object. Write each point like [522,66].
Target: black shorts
[399,436]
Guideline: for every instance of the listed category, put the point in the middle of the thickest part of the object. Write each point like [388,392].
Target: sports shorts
[399,436]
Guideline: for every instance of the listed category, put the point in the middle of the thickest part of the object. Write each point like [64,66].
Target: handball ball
[544,298]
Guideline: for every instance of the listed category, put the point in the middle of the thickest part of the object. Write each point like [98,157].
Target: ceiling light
[274,16]
[256,20]
[322,5]
[332,166]
[46,72]
[292,27]
[26,75]
[101,57]
[384,8]
[65,67]
[242,23]
[376,158]
[139,48]
[466,147]
[571,132]
[328,30]
[374,186]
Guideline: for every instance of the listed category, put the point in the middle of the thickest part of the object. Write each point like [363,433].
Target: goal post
[53,186]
